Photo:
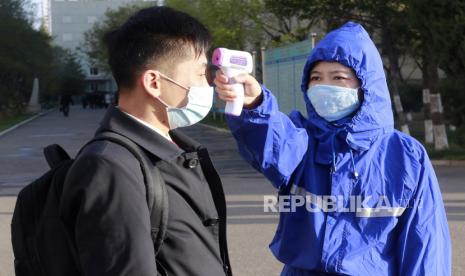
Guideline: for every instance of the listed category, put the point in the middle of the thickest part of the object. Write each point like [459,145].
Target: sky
[35,8]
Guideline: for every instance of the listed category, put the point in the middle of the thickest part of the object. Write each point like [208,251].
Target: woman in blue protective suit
[385,214]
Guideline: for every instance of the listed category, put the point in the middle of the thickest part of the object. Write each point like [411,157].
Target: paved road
[250,229]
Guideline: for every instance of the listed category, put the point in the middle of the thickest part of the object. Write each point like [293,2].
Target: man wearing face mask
[372,200]
[158,59]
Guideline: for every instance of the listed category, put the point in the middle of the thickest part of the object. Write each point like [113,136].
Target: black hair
[151,37]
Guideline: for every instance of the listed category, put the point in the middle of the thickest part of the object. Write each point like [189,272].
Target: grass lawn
[456,149]
[447,155]
[6,123]
[455,152]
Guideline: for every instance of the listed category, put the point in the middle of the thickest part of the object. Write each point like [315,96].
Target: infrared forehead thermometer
[233,63]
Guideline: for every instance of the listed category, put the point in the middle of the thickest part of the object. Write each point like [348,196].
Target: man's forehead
[200,62]
[191,62]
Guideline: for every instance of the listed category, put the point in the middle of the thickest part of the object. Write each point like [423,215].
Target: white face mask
[333,102]
[199,103]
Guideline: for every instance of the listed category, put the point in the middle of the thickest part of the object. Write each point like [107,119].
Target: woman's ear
[151,82]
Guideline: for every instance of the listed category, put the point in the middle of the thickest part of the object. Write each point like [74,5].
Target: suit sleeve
[269,140]
[424,246]
[105,207]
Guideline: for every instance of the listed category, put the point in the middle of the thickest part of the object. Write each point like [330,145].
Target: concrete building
[68,20]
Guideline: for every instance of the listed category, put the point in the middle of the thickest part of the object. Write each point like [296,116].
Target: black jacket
[104,206]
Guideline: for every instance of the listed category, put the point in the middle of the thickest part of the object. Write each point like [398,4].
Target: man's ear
[151,82]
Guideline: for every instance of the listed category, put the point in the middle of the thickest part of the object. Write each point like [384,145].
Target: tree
[70,76]
[284,21]
[26,53]
[429,21]
[451,33]
[93,45]
[227,20]
[389,17]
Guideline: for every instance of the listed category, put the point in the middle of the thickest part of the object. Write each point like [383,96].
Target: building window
[94,71]
[67,37]
[91,19]
[67,19]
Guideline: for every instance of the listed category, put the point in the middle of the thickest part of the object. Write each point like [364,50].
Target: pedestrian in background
[65,102]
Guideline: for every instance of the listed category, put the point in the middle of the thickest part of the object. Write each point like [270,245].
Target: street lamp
[313,39]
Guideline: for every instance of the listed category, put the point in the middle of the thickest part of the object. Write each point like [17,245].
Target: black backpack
[41,244]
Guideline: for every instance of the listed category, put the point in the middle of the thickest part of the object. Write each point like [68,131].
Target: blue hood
[351,46]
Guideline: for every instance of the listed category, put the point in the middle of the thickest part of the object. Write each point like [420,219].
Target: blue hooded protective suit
[390,218]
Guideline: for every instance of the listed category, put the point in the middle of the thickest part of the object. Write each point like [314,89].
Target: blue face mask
[199,103]
[333,102]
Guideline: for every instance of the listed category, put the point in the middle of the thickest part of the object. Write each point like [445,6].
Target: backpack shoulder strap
[55,155]
[157,198]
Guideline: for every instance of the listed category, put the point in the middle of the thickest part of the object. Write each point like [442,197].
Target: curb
[215,128]
[457,163]
[26,121]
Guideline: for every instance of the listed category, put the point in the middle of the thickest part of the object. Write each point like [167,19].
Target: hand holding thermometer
[233,63]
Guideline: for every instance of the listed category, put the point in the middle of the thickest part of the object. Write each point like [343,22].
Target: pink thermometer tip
[217,58]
